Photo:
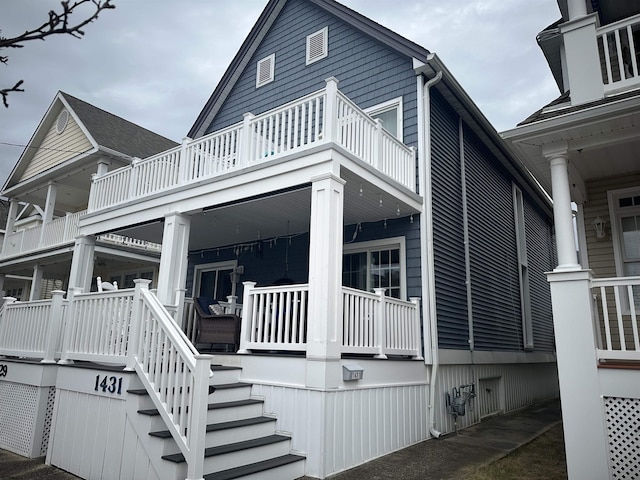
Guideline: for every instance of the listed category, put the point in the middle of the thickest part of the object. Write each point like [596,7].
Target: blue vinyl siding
[448,234]
[495,284]
[369,73]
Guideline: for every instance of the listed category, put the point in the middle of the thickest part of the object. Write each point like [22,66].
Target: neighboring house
[384,249]
[48,192]
[584,147]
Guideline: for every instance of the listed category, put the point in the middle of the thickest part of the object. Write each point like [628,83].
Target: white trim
[465,357]
[262,76]
[198,270]
[323,36]
[523,267]
[393,242]
[395,103]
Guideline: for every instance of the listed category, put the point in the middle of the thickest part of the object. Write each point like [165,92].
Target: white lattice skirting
[623,430]
[18,407]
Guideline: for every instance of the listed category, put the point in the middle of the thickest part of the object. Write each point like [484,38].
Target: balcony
[619,50]
[326,118]
[61,231]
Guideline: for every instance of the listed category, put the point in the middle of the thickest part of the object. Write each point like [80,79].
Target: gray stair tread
[223,386]
[211,406]
[220,368]
[254,468]
[214,427]
[232,447]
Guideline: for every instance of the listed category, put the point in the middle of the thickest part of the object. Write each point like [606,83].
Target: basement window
[265,70]
[317,45]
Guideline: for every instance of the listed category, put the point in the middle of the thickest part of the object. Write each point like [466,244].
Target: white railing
[381,325]
[274,318]
[323,117]
[130,242]
[619,53]
[188,321]
[616,302]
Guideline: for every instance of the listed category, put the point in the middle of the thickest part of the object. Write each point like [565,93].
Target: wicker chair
[223,328]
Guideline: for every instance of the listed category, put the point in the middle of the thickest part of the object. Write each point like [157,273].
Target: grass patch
[541,459]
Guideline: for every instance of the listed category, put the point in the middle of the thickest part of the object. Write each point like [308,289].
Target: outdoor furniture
[216,328]
[105,286]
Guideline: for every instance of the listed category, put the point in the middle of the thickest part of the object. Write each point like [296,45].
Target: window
[376,264]
[265,70]
[317,45]
[391,115]
[214,280]
[523,268]
[625,232]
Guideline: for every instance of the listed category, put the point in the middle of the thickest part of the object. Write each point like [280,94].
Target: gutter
[426,232]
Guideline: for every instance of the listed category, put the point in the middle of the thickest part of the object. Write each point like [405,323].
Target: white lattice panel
[48,415]
[623,430]
[18,407]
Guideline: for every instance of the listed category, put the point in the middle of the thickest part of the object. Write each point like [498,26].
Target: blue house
[347,236]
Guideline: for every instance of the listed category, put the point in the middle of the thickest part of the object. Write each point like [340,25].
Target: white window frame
[381,244]
[272,66]
[325,46]
[523,268]
[395,103]
[198,270]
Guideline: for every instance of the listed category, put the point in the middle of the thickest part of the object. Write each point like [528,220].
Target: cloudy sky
[156,62]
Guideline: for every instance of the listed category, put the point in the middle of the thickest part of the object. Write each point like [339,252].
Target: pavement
[445,458]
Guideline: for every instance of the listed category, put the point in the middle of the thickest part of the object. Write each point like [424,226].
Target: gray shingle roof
[116,133]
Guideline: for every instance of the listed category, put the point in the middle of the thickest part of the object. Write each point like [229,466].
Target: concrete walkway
[442,459]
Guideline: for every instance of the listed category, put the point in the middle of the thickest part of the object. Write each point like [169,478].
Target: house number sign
[108,384]
[3,370]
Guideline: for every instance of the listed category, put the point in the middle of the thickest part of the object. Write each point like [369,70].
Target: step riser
[239,434]
[219,415]
[225,376]
[226,461]
[230,394]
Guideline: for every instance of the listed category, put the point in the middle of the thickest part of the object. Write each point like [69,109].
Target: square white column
[173,259]
[82,262]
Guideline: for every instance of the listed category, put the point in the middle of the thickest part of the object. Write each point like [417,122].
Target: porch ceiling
[277,215]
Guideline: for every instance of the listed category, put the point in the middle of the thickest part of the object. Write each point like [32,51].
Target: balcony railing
[616,302]
[619,48]
[60,231]
[323,117]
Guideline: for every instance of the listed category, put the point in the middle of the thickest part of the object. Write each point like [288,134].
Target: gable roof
[258,32]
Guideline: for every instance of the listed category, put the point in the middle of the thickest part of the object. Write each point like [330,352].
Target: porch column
[173,259]
[103,166]
[562,213]
[11,216]
[36,283]
[49,207]
[2,279]
[82,262]
[582,408]
[324,334]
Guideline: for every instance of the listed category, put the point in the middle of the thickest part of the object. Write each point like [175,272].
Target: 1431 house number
[108,384]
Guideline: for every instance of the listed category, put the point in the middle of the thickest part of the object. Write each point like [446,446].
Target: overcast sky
[156,62]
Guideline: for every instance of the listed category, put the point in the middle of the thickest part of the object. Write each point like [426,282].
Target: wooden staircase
[241,443]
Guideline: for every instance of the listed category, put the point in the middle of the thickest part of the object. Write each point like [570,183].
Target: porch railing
[620,53]
[616,303]
[326,116]
[60,231]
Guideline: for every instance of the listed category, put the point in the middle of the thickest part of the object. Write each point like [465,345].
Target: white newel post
[378,145]
[36,283]
[2,279]
[244,157]
[324,334]
[415,337]
[82,262]
[136,323]
[6,301]
[49,207]
[198,427]
[133,178]
[173,259]
[69,325]
[54,327]
[582,407]
[381,323]
[183,162]
[247,312]
[331,110]
[11,216]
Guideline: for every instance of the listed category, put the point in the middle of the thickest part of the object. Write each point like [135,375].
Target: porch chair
[213,325]
[105,286]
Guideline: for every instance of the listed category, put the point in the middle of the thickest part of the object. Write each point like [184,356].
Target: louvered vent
[317,45]
[63,119]
[265,71]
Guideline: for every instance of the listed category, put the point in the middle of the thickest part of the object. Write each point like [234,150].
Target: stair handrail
[176,378]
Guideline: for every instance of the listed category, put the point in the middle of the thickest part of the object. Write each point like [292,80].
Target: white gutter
[426,232]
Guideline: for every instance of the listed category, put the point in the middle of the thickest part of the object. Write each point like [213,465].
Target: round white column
[562,213]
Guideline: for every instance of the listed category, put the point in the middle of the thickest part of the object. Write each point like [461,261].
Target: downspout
[426,232]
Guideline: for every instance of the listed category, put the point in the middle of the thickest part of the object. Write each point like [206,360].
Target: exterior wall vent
[317,45]
[265,70]
[63,119]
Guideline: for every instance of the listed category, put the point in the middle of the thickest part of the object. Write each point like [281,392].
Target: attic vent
[266,68]
[317,45]
[63,119]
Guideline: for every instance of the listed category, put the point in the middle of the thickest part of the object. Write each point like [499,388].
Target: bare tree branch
[58,23]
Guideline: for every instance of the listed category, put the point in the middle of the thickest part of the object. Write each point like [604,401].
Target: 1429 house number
[108,384]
